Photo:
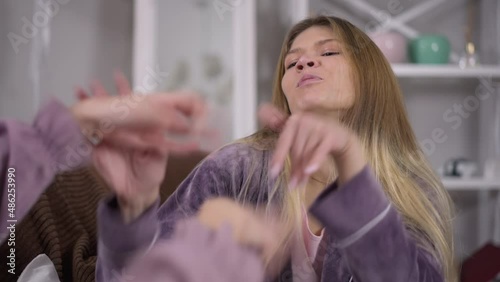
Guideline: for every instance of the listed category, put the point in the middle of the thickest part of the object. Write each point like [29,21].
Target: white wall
[89,40]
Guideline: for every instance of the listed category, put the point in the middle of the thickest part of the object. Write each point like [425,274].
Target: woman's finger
[169,120]
[177,122]
[320,154]
[122,84]
[191,108]
[131,140]
[315,140]
[104,160]
[155,141]
[304,132]
[283,146]
[189,103]
[98,90]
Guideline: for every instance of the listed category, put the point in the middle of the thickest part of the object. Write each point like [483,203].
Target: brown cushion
[178,168]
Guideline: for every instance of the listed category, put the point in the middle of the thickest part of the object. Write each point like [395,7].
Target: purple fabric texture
[365,239]
[197,254]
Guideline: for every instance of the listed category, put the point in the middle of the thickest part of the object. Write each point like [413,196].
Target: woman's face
[317,75]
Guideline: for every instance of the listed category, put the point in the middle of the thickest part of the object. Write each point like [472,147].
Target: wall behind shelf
[432,108]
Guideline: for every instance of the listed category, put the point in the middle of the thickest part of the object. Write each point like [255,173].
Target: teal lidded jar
[429,49]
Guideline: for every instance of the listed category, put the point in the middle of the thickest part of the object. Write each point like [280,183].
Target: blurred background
[445,53]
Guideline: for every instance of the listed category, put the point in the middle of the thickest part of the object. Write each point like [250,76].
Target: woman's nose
[305,61]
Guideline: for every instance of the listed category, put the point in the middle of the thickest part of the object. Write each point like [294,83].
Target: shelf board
[415,70]
[470,184]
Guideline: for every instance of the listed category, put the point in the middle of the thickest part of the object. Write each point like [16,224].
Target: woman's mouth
[307,79]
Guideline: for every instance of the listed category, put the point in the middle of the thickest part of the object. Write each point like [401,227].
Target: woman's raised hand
[175,113]
[132,155]
[311,140]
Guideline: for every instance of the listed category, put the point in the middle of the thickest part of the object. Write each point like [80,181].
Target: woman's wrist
[90,115]
[86,115]
[131,209]
[82,112]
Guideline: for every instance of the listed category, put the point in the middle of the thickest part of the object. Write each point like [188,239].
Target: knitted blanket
[62,223]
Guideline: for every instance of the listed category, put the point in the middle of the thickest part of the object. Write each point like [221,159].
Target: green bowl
[430,49]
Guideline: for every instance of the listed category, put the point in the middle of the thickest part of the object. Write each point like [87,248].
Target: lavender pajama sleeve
[370,235]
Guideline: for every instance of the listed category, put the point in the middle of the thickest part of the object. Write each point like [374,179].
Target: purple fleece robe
[365,240]
[365,235]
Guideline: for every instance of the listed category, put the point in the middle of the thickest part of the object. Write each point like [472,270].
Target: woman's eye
[291,65]
[330,53]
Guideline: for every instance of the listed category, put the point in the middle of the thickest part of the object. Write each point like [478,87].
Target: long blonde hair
[379,119]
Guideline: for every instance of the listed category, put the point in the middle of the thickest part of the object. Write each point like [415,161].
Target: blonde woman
[338,161]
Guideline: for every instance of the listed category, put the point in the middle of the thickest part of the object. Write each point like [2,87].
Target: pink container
[393,45]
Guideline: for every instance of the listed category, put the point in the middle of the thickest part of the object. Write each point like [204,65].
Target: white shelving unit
[454,72]
[475,183]
[442,71]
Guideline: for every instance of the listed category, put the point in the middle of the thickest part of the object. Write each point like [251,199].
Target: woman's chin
[321,109]
[311,104]
[315,103]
